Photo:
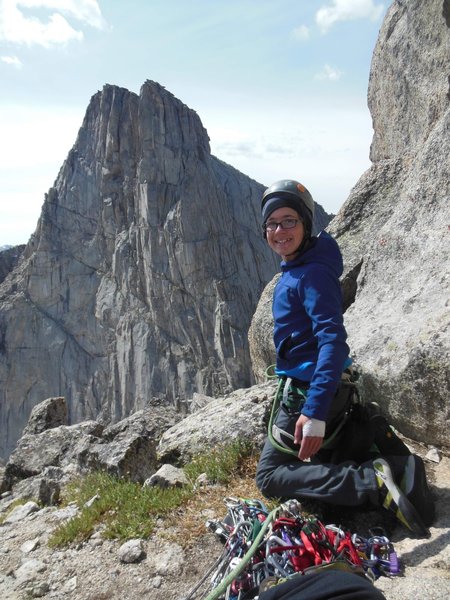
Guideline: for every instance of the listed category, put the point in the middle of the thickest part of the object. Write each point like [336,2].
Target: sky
[280,85]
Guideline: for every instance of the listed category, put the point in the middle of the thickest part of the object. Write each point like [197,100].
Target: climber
[303,457]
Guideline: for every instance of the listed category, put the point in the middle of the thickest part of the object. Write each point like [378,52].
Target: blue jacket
[309,332]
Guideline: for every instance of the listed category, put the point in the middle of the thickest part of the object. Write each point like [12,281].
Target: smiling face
[285,242]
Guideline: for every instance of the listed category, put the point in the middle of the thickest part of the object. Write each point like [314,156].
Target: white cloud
[329,74]
[24,28]
[298,145]
[87,11]
[347,10]
[301,33]
[12,60]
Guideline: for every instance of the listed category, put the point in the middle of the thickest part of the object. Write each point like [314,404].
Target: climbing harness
[263,548]
[291,398]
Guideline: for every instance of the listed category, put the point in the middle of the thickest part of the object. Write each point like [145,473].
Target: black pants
[280,475]
[325,585]
[348,483]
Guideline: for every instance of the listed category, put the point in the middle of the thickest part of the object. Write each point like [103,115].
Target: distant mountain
[143,274]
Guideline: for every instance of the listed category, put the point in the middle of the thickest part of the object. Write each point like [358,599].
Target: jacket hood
[321,249]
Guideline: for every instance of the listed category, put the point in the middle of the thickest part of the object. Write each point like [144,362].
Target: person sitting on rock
[312,450]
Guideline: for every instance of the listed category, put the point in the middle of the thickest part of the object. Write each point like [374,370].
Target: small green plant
[127,510]
[221,464]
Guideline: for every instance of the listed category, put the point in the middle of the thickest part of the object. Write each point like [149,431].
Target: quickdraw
[379,556]
[262,546]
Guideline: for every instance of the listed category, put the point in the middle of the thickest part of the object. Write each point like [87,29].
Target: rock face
[46,415]
[143,274]
[242,415]
[9,257]
[394,229]
[48,455]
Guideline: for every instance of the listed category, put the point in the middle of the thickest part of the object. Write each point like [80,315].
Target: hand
[309,445]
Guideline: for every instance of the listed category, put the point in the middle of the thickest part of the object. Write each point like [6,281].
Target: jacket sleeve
[321,295]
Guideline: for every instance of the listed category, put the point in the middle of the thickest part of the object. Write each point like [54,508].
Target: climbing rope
[262,547]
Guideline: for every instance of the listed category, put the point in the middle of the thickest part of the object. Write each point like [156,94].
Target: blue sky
[280,85]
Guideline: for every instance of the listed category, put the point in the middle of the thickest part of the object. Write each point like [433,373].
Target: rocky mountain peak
[142,275]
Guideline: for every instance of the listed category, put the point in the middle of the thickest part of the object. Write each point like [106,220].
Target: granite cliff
[143,274]
[9,257]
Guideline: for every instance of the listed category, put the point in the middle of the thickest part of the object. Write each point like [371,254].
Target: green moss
[127,510]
